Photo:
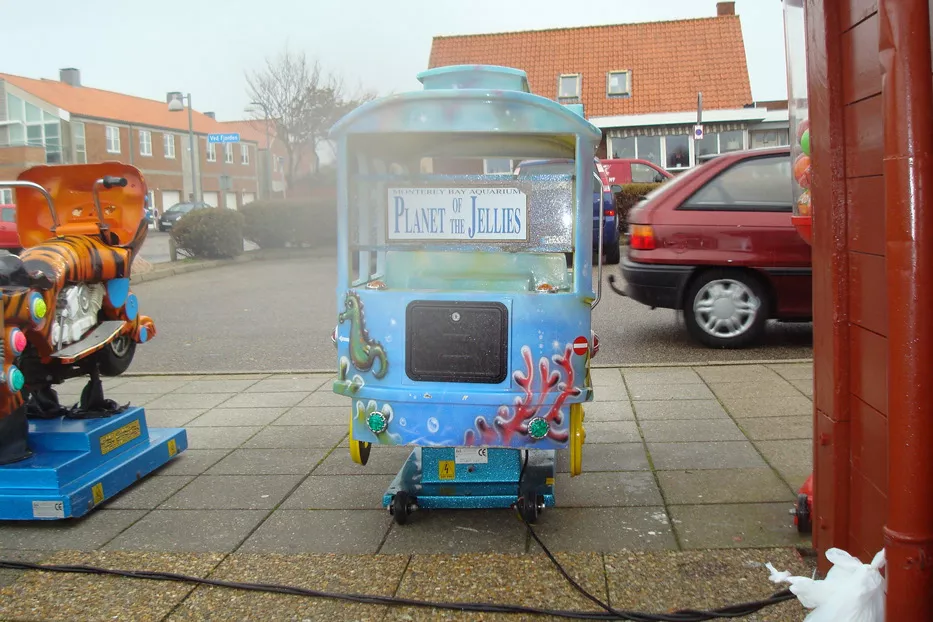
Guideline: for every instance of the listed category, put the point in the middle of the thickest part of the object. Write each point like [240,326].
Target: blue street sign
[223,138]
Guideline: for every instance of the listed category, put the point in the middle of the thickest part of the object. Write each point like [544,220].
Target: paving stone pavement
[676,459]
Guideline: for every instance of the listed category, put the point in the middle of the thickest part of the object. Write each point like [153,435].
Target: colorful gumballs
[803,204]
[805,142]
[802,127]
[802,170]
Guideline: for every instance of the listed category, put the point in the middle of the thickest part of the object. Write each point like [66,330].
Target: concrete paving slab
[300,383]
[147,493]
[382,461]
[723,486]
[779,388]
[598,432]
[794,455]
[664,581]
[667,431]
[133,398]
[614,395]
[529,580]
[458,531]
[608,411]
[192,462]
[347,492]
[708,455]
[378,575]
[266,400]
[679,409]
[171,417]
[304,415]
[605,530]
[184,400]
[805,386]
[80,534]
[150,384]
[606,377]
[212,385]
[601,489]
[609,457]
[233,492]
[786,406]
[793,371]
[320,531]
[238,417]
[219,438]
[736,373]
[691,391]
[90,598]
[190,531]
[268,462]
[660,375]
[736,525]
[9,577]
[777,428]
[297,437]
[326,397]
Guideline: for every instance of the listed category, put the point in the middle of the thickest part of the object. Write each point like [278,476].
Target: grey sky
[149,47]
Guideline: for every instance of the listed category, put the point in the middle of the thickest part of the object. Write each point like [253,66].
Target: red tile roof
[669,62]
[85,101]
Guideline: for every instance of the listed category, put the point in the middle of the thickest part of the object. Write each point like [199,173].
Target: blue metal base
[79,463]
[474,478]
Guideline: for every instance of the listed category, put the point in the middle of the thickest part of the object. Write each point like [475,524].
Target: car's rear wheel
[613,254]
[726,308]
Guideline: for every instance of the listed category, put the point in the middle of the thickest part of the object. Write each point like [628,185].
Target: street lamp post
[267,183]
[177,105]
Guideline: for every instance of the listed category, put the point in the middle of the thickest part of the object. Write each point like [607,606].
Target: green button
[538,428]
[377,422]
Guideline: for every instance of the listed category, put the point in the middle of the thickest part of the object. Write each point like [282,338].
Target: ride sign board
[457,214]
[223,138]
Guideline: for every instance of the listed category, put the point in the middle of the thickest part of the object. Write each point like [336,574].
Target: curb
[184,267]
[275,372]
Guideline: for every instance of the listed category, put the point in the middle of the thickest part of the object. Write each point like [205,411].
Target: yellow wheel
[577,438]
[359,451]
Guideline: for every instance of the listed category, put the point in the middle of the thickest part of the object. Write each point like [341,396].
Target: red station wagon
[9,235]
[717,242]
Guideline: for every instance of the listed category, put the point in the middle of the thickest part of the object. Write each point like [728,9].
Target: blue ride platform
[79,463]
[473,478]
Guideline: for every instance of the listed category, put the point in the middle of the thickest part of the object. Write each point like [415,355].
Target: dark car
[717,242]
[167,220]
[603,200]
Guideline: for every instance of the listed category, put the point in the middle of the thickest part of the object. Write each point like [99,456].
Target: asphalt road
[279,316]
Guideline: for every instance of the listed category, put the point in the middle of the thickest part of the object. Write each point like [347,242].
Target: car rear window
[756,184]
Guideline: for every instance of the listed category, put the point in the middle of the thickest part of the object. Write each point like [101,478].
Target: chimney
[70,76]
[211,115]
[725,8]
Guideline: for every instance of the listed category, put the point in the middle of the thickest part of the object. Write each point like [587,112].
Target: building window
[211,152]
[6,196]
[80,142]
[244,154]
[113,139]
[619,83]
[768,138]
[677,149]
[569,86]
[228,153]
[34,127]
[731,141]
[622,148]
[168,146]
[497,166]
[649,148]
[145,142]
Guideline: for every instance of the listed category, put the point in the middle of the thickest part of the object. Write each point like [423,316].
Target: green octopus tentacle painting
[364,352]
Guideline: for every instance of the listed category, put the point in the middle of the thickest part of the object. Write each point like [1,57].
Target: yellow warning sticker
[97,491]
[120,436]
[549,481]
[446,469]
[172,448]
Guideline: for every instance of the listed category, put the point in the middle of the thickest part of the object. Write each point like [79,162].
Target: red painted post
[907,99]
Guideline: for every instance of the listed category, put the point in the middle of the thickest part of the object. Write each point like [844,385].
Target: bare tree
[302,102]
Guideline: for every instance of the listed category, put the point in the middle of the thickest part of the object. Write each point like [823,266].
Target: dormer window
[569,86]
[619,83]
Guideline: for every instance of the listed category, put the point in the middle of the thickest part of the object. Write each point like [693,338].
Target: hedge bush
[626,200]
[290,223]
[214,233]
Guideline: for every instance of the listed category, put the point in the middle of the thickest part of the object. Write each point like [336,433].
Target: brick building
[64,122]
[639,83]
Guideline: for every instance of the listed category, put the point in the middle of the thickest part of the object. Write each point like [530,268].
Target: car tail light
[641,237]
[610,212]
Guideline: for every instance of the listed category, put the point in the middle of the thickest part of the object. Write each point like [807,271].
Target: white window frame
[211,151]
[79,145]
[228,153]
[628,83]
[6,196]
[145,143]
[167,141]
[560,80]
[244,153]
[113,139]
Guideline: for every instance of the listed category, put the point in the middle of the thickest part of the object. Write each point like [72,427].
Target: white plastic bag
[852,591]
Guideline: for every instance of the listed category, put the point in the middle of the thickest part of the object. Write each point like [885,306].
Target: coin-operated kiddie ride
[464,291]
[67,311]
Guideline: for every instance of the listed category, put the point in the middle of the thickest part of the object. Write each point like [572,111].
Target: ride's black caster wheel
[402,507]
[802,512]
[529,509]
[115,357]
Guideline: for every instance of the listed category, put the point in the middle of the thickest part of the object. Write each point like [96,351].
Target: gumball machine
[796,51]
